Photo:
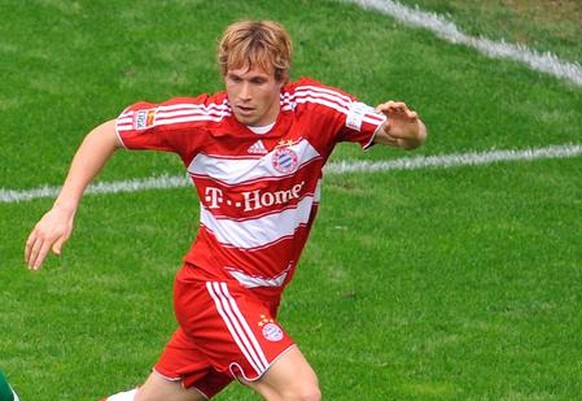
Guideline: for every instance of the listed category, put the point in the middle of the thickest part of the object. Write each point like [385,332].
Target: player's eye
[234,78]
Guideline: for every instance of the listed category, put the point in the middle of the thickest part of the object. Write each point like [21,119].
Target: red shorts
[226,332]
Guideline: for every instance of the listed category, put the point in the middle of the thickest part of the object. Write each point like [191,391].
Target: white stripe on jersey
[324,96]
[341,98]
[323,102]
[124,123]
[182,106]
[191,112]
[312,94]
[253,281]
[238,326]
[190,118]
[262,231]
[220,107]
[241,171]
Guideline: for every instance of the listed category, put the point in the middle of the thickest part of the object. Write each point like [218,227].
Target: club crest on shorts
[285,160]
[271,330]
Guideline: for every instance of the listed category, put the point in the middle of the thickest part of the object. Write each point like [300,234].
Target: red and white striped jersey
[258,192]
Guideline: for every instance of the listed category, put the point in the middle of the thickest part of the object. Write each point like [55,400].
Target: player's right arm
[55,227]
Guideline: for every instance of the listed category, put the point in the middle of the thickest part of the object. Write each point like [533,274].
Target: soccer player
[255,154]
[7,393]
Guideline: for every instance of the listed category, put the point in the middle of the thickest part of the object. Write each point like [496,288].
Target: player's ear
[283,81]
[282,76]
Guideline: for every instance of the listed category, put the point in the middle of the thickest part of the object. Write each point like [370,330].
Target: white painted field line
[454,160]
[544,62]
[407,163]
[135,185]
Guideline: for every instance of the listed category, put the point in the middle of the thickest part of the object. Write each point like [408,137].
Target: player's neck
[261,129]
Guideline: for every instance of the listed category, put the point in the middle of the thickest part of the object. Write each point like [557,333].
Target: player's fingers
[28,247]
[412,115]
[393,108]
[396,106]
[40,256]
[37,247]
[389,105]
[58,245]
[33,249]
[403,110]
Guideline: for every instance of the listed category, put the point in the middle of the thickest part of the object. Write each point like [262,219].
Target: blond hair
[262,44]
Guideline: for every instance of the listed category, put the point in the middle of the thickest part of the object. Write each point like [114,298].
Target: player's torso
[258,197]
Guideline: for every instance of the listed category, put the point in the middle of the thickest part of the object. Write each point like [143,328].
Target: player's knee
[313,395]
[304,393]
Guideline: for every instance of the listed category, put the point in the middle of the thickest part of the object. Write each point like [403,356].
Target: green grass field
[429,284]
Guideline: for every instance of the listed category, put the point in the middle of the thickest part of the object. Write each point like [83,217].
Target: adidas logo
[258,148]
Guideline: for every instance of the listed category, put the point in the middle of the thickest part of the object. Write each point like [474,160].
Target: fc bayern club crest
[272,332]
[285,160]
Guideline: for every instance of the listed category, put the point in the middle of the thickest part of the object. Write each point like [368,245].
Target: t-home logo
[252,200]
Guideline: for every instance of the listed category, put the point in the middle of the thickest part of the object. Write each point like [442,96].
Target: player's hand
[403,125]
[50,233]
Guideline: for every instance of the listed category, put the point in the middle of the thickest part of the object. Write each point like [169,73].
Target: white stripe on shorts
[238,326]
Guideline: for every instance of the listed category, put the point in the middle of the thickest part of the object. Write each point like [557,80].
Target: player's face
[253,95]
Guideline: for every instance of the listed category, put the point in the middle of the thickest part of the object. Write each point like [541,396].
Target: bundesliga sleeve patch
[144,119]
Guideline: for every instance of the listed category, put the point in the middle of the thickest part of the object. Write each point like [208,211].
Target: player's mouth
[245,110]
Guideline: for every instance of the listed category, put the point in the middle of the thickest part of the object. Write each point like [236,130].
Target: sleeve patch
[144,119]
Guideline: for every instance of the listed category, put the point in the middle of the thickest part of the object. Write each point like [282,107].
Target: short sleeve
[137,129]
[361,124]
[177,125]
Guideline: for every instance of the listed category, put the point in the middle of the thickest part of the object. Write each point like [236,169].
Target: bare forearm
[55,227]
[90,158]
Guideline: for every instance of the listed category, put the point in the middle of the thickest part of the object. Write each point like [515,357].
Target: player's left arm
[402,128]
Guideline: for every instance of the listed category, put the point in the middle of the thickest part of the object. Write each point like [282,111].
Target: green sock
[6,393]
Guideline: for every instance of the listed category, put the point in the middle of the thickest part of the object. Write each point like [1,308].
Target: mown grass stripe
[407,163]
[447,30]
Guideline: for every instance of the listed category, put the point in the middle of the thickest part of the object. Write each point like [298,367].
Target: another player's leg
[290,378]
[6,391]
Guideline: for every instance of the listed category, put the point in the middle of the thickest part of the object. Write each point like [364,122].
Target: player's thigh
[157,388]
[291,377]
